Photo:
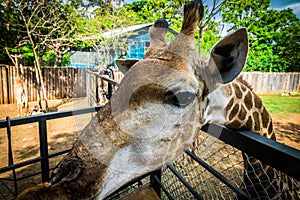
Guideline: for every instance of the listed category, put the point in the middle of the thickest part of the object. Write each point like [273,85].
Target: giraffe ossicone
[159,107]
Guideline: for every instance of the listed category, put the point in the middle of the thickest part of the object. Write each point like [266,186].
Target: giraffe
[20,93]
[160,106]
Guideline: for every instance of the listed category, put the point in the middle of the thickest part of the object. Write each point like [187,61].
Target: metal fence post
[10,154]
[154,183]
[109,90]
[44,149]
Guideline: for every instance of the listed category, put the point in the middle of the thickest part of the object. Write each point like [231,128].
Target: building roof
[121,31]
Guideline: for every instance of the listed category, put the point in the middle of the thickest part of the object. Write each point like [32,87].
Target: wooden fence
[72,82]
[59,83]
[273,83]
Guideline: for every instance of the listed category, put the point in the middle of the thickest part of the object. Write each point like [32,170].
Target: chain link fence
[229,162]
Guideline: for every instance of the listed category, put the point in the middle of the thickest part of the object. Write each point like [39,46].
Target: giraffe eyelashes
[180,99]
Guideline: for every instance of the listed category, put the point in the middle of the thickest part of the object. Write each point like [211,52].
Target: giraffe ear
[228,56]
[125,64]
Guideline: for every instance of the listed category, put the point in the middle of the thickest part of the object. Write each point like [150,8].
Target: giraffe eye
[180,99]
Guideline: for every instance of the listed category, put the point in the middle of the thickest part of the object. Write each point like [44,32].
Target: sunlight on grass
[283,106]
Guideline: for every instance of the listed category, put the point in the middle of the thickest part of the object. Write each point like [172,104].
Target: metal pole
[44,149]
[156,175]
[10,154]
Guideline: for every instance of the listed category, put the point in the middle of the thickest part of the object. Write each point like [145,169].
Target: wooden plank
[13,77]
[10,85]
[5,85]
[60,83]
[286,82]
[56,83]
[1,86]
[67,84]
[291,82]
[25,81]
[65,80]
[51,85]
[75,81]
[82,82]
[28,82]
[70,81]
[33,85]
[48,83]
[297,82]
[44,76]
[45,79]
[273,83]
[30,73]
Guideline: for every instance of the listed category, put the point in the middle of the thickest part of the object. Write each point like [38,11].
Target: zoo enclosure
[272,82]
[59,83]
[189,176]
[75,82]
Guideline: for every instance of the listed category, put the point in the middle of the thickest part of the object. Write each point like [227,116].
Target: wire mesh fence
[229,162]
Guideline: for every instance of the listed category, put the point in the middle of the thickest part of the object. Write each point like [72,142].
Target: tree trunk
[40,80]
[58,59]
[38,87]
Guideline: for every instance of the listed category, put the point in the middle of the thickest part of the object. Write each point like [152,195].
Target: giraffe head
[153,115]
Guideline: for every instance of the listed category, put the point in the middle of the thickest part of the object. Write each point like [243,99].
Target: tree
[287,41]
[207,22]
[273,34]
[10,35]
[39,24]
[149,11]
[96,36]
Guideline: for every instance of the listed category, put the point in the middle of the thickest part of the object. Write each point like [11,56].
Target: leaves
[273,34]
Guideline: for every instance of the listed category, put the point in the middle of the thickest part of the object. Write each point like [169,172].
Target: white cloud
[294,6]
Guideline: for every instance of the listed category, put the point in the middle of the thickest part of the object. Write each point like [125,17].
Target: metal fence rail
[44,155]
[214,167]
[211,169]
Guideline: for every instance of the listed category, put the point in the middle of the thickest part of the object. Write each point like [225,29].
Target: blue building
[137,39]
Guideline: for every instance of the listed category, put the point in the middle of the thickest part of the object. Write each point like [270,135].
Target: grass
[283,106]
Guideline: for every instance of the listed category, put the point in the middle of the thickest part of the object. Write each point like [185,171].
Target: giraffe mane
[241,80]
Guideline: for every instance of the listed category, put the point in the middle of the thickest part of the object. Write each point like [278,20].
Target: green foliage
[50,56]
[27,55]
[149,11]
[210,37]
[273,34]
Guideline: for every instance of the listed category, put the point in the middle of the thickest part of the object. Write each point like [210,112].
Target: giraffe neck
[236,106]
[246,110]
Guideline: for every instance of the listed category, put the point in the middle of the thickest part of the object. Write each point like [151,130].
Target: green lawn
[282,106]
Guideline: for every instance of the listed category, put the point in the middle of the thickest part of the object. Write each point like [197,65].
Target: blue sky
[283,4]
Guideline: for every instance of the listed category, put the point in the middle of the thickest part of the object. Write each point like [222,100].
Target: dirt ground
[25,140]
[62,133]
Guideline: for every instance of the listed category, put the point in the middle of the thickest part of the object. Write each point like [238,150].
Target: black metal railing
[43,143]
[277,155]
